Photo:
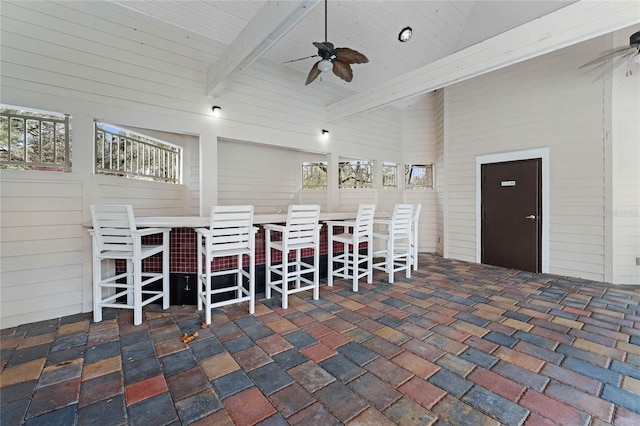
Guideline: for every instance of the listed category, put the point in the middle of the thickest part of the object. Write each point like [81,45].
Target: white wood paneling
[94,61]
[625,137]
[264,176]
[572,24]
[41,245]
[544,102]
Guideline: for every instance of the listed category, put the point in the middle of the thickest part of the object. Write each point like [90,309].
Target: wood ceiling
[440,29]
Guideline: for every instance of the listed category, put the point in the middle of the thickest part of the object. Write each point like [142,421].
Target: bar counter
[204,221]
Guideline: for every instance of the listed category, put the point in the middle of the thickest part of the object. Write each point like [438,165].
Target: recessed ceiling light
[405,34]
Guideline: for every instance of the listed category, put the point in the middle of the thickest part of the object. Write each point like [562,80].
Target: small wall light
[216,110]
[405,34]
[325,133]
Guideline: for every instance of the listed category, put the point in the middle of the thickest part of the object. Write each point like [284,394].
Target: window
[131,155]
[355,174]
[389,175]
[31,140]
[314,175]
[418,176]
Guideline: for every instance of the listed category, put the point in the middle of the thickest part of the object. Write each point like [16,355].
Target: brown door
[511,226]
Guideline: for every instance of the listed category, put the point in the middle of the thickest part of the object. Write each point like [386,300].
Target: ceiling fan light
[405,34]
[325,65]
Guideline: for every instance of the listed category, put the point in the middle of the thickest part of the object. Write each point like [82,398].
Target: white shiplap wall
[265,176]
[419,147]
[544,102]
[91,60]
[625,137]
[41,246]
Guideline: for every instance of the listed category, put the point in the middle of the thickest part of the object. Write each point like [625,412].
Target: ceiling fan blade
[608,56]
[300,59]
[342,70]
[350,56]
[313,74]
[324,46]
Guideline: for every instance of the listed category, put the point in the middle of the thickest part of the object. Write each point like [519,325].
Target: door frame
[529,154]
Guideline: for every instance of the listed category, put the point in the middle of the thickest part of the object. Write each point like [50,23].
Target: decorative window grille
[314,175]
[31,140]
[389,175]
[418,176]
[131,155]
[355,174]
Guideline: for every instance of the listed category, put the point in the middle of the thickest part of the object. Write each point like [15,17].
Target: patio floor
[458,344]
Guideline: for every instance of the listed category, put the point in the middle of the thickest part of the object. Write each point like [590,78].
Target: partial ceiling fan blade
[300,59]
[608,56]
[313,74]
[342,70]
[624,57]
[350,56]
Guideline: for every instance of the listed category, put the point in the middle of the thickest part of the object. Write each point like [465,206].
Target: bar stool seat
[302,231]
[231,234]
[115,237]
[350,261]
[396,236]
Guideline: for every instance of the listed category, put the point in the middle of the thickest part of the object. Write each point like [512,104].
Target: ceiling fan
[616,57]
[336,59]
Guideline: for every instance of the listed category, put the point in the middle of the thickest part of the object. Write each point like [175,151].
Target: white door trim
[542,153]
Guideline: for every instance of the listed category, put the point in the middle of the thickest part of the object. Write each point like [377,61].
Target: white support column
[208,172]
[333,194]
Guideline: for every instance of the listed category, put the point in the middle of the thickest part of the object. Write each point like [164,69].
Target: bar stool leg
[369,261]
[267,258]
[330,257]
[316,273]
[285,280]
[356,265]
[252,284]
[165,271]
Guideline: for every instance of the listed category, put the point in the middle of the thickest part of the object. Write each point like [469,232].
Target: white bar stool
[350,260]
[115,237]
[302,231]
[397,239]
[231,233]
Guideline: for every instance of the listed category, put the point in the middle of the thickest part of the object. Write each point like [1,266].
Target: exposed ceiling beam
[270,24]
[567,26]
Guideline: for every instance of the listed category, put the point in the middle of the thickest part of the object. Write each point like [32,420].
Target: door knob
[531,216]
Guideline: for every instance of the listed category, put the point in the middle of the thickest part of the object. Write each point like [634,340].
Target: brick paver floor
[458,343]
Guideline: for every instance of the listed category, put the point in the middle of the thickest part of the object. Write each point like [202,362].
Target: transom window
[355,174]
[34,140]
[128,154]
[418,176]
[314,175]
[389,175]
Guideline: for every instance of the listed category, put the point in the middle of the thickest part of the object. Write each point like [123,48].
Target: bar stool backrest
[303,224]
[416,212]
[364,220]
[231,228]
[402,218]
[112,227]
